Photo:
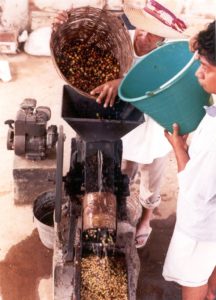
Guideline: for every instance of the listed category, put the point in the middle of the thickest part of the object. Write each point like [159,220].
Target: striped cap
[134,10]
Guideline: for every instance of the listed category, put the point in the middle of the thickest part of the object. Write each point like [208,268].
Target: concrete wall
[15,13]
[65,4]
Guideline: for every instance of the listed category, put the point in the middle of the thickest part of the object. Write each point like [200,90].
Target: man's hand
[107,92]
[61,18]
[179,145]
[177,141]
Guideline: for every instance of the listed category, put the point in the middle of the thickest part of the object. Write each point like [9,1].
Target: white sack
[5,74]
[38,42]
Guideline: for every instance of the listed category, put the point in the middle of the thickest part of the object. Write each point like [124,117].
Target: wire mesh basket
[92,47]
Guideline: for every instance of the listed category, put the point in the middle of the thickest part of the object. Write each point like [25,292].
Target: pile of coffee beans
[87,66]
[103,278]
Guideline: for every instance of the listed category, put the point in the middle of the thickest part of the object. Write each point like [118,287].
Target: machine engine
[28,134]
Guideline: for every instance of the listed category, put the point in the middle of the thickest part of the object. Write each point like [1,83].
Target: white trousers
[148,177]
[189,262]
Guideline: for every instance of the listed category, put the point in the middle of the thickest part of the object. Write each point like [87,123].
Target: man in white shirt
[191,257]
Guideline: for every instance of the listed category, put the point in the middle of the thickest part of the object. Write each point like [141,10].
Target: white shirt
[196,207]
[146,142]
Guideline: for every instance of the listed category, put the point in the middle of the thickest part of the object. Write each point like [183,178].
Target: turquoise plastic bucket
[164,86]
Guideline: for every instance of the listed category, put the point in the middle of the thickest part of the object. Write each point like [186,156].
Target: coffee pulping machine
[91,198]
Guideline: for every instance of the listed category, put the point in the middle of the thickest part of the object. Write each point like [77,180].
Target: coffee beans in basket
[87,66]
[92,47]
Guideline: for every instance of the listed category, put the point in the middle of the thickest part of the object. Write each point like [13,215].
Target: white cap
[143,20]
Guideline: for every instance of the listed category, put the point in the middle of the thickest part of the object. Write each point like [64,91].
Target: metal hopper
[93,122]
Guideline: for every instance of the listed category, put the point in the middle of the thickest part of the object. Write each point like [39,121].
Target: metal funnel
[93,122]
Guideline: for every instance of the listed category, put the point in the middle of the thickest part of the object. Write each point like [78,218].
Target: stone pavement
[151,285]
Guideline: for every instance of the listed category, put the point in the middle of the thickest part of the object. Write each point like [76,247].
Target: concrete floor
[25,264]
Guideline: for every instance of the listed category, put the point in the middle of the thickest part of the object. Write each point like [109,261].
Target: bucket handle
[173,79]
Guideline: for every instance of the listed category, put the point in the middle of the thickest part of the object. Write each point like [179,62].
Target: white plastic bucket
[43,210]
